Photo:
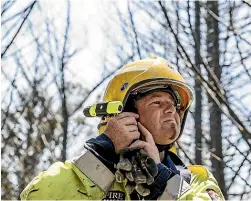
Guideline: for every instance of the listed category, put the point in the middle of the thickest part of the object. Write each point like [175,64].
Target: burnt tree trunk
[213,57]
[198,91]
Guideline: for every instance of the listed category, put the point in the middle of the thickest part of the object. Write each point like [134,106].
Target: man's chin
[167,140]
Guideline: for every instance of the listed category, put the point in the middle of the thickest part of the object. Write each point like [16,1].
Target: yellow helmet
[150,73]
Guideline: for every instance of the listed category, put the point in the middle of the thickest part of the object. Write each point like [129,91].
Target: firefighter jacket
[90,176]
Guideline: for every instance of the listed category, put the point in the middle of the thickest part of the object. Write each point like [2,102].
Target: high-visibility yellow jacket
[66,181]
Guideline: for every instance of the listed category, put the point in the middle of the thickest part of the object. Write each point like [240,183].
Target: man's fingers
[135,135]
[132,128]
[148,136]
[127,114]
[129,121]
[138,144]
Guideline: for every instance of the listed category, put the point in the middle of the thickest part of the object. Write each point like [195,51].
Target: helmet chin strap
[164,147]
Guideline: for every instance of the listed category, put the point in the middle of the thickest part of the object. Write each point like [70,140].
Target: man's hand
[122,130]
[148,145]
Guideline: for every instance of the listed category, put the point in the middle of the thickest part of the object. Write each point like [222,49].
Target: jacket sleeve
[54,183]
[203,186]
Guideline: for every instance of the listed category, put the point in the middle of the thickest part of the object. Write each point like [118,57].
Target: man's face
[158,114]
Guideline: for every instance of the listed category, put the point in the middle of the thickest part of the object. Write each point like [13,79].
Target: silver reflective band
[95,170]
[175,187]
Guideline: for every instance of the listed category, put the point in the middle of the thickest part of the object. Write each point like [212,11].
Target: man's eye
[173,104]
[156,102]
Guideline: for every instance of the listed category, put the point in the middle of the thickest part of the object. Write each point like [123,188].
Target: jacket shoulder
[202,173]
[55,183]
[199,171]
[203,184]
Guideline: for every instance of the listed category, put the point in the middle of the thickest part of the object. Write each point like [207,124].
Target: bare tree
[34,128]
[213,57]
[198,90]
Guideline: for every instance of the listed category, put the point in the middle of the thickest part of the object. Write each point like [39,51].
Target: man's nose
[169,108]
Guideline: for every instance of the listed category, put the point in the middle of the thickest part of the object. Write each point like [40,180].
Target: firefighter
[156,101]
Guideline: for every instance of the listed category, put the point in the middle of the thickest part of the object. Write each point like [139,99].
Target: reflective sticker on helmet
[213,195]
[124,86]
